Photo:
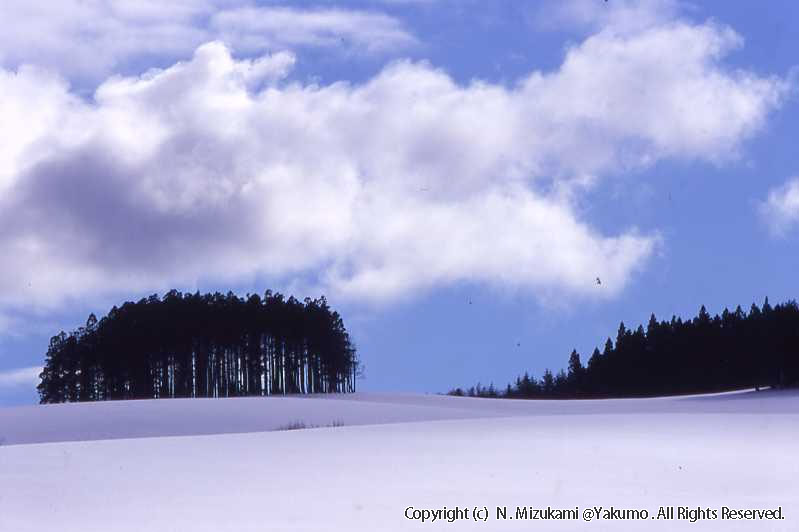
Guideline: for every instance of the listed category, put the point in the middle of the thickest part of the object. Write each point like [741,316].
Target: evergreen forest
[733,350]
[211,345]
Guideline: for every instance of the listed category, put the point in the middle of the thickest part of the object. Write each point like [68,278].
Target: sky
[454,176]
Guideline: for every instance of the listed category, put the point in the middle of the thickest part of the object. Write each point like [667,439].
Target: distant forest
[703,354]
[192,345]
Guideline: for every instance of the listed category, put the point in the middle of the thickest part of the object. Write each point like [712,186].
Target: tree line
[211,345]
[702,354]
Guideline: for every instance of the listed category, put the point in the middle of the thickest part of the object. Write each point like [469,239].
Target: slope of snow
[736,450]
[188,417]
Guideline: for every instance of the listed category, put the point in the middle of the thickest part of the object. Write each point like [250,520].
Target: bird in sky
[598,281]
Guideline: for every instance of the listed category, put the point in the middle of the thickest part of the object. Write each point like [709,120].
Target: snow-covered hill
[231,470]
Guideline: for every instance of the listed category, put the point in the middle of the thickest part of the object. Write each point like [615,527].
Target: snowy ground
[220,465]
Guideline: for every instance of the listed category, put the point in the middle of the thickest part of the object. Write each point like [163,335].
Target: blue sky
[403,158]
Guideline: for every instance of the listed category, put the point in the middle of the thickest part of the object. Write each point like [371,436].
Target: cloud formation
[20,377]
[781,209]
[88,39]
[617,16]
[220,168]
[261,28]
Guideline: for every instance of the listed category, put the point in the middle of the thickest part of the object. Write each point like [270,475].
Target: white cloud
[660,89]
[256,29]
[88,39]
[616,15]
[220,168]
[781,209]
[20,377]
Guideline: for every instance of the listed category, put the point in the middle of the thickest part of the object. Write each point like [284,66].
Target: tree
[575,377]
[700,354]
[210,345]
[548,383]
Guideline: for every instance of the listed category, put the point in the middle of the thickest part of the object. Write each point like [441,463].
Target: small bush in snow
[297,425]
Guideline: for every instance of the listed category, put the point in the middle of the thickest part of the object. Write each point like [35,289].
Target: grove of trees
[703,354]
[211,345]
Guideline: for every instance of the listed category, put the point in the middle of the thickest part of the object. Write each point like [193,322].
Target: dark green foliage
[575,380]
[192,345]
[704,354]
